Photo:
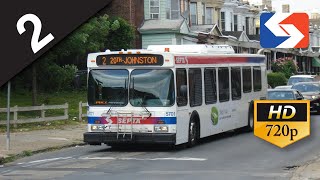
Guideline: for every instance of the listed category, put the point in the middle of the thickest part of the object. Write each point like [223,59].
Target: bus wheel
[250,121]
[193,133]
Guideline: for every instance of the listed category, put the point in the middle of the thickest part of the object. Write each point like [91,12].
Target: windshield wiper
[142,100]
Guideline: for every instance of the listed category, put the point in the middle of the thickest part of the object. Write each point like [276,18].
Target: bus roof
[169,55]
[197,48]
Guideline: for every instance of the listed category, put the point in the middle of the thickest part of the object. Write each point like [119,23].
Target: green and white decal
[214,115]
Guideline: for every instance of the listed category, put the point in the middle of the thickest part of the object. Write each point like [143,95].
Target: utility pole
[8,116]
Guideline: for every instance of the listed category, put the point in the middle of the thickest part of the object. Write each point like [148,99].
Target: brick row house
[232,22]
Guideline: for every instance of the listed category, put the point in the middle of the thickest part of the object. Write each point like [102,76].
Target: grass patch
[24,99]
[61,124]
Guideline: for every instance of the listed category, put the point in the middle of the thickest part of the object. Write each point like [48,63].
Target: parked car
[283,87]
[302,78]
[310,91]
[284,94]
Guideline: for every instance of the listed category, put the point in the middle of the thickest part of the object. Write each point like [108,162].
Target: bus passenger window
[195,87]
[236,83]
[246,79]
[210,85]
[257,78]
[182,91]
[224,93]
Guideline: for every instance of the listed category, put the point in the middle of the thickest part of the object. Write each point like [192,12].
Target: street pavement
[41,139]
[230,155]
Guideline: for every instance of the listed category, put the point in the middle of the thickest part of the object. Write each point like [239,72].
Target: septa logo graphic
[284,30]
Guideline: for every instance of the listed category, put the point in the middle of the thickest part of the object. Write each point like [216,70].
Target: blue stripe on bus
[256,59]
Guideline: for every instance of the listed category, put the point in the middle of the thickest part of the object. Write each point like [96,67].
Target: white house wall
[157,39]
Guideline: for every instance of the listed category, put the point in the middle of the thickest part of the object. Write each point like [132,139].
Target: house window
[193,13]
[186,5]
[247,25]
[235,19]
[209,15]
[172,10]
[223,21]
[203,13]
[154,9]
[231,24]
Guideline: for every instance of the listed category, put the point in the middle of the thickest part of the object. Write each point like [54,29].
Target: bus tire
[193,134]
[250,126]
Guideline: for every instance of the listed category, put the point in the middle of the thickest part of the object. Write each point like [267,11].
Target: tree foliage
[122,37]
[90,37]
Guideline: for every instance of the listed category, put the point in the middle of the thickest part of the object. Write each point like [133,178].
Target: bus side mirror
[299,98]
[183,90]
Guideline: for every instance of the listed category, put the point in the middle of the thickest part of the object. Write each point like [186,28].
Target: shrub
[56,78]
[276,79]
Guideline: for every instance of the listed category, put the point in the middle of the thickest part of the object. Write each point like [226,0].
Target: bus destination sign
[130,59]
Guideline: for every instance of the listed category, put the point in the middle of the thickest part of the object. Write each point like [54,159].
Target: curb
[8,159]
[298,173]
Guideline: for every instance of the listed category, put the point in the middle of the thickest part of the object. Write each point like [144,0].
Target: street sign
[281,122]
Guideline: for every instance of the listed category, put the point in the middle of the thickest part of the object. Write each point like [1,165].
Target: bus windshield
[152,88]
[108,87]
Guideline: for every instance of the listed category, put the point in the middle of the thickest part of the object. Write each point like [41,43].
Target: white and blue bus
[171,94]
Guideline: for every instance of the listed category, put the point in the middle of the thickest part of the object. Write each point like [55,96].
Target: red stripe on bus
[215,60]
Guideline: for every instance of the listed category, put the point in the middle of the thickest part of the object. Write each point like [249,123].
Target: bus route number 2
[36,44]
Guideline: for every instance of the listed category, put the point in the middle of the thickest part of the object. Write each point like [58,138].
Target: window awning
[315,62]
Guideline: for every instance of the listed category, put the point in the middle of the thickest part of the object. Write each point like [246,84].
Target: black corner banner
[30,28]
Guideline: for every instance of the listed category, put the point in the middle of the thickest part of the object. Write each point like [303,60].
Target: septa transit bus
[171,94]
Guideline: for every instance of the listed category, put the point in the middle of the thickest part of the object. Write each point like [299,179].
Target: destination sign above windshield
[130,59]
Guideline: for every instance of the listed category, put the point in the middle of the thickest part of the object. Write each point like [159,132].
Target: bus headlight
[96,127]
[161,128]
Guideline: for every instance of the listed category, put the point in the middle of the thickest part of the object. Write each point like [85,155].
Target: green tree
[90,37]
[122,37]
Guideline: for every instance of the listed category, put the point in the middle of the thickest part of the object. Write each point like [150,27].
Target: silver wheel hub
[192,131]
[251,122]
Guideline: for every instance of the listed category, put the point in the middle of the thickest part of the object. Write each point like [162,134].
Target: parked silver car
[302,78]
[284,94]
[310,91]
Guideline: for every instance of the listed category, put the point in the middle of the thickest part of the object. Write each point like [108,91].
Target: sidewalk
[309,171]
[41,139]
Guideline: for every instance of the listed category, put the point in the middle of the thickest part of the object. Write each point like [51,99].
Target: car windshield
[307,87]
[274,95]
[153,88]
[294,80]
[108,87]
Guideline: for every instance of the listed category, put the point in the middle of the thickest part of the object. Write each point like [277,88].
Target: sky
[307,6]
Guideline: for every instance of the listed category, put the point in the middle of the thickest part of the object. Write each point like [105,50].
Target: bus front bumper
[96,138]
